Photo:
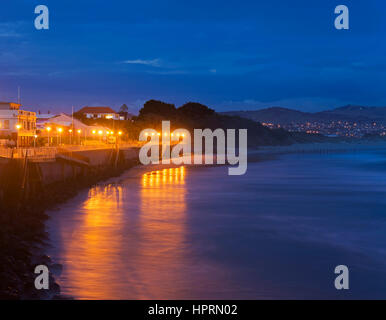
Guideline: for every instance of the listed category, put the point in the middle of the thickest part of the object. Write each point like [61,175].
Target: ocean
[277,232]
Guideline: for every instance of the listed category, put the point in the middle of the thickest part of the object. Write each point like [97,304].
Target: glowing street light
[70,131]
[48,130]
[18,127]
[59,130]
[79,132]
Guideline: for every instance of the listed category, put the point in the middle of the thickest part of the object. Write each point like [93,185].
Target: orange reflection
[128,242]
[90,254]
[163,224]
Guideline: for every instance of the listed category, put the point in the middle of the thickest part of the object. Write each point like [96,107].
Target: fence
[35,154]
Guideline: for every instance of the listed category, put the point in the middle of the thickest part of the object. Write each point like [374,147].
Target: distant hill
[285,116]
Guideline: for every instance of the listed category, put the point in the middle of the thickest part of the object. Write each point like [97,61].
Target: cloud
[153,62]
[8,30]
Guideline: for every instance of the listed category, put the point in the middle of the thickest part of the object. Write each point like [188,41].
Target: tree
[195,110]
[162,109]
[124,108]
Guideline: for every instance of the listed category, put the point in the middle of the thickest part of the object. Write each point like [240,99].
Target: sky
[229,55]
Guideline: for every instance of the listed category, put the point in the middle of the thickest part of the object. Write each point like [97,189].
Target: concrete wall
[61,170]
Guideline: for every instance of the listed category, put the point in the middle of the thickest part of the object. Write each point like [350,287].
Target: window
[6,124]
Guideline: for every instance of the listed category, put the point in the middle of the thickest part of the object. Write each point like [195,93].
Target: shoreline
[324,147]
[23,235]
[30,240]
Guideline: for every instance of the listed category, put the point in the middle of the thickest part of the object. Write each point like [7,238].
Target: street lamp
[60,135]
[79,132]
[35,137]
[119,135]
[48,130]
[70,131]
[18,127]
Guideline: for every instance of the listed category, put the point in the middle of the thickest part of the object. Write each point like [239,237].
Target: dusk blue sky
[229,55]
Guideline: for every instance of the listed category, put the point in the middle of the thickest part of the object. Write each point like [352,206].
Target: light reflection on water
[197,233]
[108,256]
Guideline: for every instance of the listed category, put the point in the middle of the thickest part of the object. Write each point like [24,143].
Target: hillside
[286,116]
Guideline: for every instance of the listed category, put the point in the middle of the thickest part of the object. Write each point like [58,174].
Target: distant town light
[120,132]
[93,132]
[60,130]
[100,132]
[48,129]
[79,131]
[18,126]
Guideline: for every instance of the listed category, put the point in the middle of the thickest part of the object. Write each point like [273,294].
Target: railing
[35,154]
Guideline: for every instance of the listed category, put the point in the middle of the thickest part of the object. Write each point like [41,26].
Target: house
[99,113]
[17,124]
[70,125]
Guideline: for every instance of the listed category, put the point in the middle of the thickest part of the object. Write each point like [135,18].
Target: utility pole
[18,95]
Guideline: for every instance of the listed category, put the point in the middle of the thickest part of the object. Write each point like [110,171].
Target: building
[99,113]
[17,124]
[67,126]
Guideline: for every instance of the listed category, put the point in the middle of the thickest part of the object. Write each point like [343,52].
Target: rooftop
[9,105]
[96,110]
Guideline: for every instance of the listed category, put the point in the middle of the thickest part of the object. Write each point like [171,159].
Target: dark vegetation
[194,115]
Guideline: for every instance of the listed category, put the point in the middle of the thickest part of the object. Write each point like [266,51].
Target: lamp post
[70,131]
[79,132]
[18,127]
[35,137]
[48,130]
[60,135]
[119,136]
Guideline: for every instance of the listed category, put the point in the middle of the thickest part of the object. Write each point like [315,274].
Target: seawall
[27,189]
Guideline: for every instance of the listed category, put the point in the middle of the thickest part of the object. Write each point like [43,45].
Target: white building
[70,125]
[99,113]
[16,124]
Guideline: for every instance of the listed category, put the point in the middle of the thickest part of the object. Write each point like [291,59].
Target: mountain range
[279,115]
